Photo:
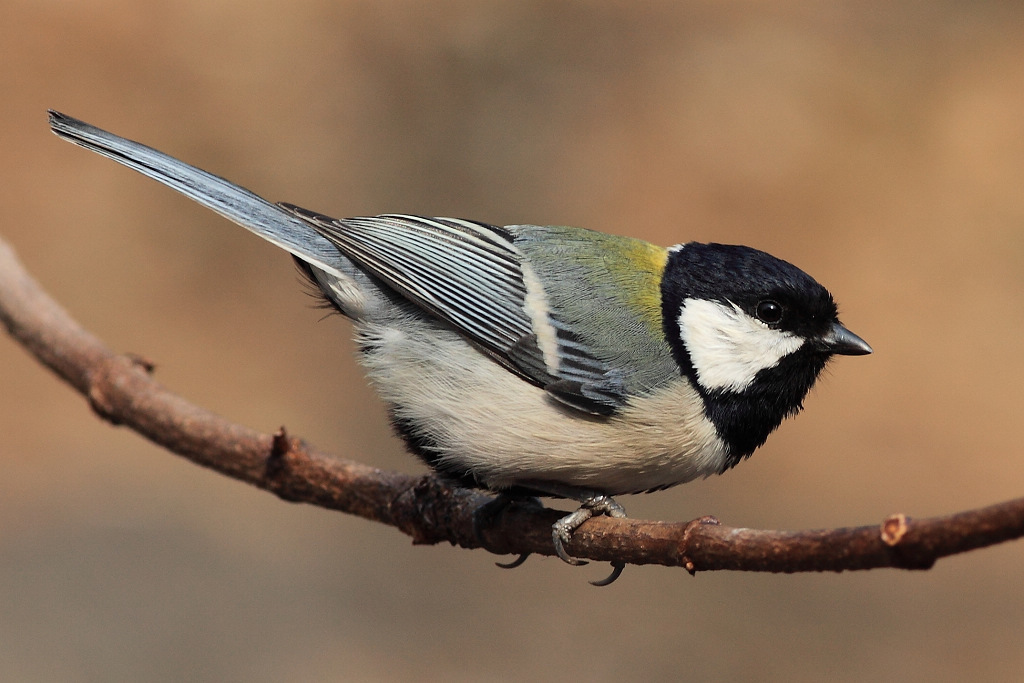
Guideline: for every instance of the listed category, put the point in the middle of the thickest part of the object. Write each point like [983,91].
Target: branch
[120,389]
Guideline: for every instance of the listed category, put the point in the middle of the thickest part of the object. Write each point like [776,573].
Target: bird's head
[752,333]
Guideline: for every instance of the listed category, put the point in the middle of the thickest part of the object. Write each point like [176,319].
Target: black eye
[769,312]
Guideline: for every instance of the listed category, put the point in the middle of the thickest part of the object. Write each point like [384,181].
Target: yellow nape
[639,267]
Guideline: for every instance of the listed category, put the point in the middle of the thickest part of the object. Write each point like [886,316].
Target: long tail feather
[235,203]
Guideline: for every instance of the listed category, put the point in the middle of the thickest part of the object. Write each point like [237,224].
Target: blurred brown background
[878,146]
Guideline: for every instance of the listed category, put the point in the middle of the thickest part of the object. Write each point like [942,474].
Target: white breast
[505,430]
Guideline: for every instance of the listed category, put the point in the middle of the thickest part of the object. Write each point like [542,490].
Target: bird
[552,361]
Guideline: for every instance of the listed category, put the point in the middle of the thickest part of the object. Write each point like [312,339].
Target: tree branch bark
[121,390]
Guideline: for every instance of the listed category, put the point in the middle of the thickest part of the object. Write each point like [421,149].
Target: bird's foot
[591,503]
[486,514]
[562,530]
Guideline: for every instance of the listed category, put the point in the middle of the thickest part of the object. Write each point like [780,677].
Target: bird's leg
[591,503]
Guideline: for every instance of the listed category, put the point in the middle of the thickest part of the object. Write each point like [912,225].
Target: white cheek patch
[727,347]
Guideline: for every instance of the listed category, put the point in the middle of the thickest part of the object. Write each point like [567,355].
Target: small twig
[121,390]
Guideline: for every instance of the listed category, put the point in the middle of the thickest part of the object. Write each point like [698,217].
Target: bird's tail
[234,202]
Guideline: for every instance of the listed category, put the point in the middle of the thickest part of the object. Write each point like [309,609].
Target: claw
[561,532]
[514,563]
[617,568]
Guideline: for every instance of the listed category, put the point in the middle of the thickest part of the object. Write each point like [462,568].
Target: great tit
[547,360]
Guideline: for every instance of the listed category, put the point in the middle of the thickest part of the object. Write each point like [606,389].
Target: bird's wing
[472,276]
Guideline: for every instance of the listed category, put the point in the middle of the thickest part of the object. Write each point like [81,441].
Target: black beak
[841,341]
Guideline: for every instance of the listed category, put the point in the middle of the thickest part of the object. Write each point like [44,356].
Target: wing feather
[466,273]
[471,275]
